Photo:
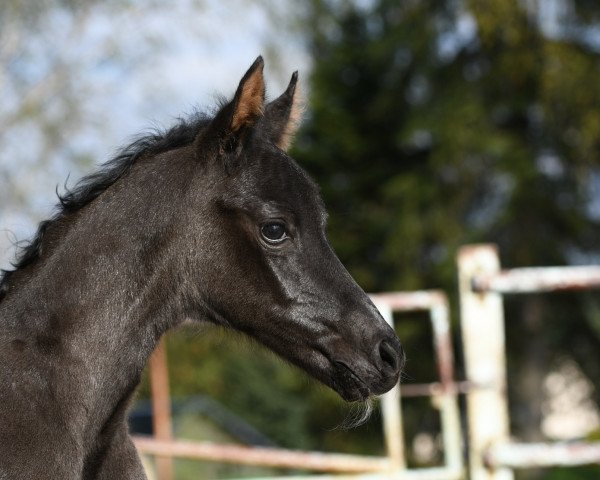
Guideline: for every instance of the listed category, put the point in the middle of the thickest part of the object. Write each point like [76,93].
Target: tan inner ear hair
[251,102]
[294,120]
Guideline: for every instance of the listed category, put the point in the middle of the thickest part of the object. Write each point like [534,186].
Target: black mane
[91,186]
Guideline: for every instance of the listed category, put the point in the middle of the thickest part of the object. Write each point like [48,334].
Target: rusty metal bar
[440,322]
[269,457]
[526,455]
[482,325]
[448,402]
[161,407]
[539,279]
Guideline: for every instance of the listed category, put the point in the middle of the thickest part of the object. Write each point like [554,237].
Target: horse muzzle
[357,377]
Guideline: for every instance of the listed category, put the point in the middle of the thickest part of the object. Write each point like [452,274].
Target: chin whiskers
[358,414]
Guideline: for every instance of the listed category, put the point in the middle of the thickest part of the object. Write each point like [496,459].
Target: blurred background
[430,124]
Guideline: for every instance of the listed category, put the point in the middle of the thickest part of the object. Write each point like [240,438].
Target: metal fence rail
[350,466]
[527,455]
[262,456]
[492,455]
[538,279]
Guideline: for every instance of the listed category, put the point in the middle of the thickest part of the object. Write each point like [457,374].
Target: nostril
[388,355]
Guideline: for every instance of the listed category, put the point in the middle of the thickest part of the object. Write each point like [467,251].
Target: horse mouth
[348,384]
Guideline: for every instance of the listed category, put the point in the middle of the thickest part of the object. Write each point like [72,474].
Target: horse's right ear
[236,118]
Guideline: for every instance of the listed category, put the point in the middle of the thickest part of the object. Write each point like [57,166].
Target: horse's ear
[238,116]
[282,116]
[249,99]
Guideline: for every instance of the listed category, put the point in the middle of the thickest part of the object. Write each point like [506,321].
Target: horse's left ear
[249,100]
[282,116]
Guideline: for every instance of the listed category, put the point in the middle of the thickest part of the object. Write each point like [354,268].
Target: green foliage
[419,153]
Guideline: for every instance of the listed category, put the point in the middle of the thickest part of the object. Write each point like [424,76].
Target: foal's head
[271,273]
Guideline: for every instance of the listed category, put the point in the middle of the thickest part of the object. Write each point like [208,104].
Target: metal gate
[482,285]
[491,454]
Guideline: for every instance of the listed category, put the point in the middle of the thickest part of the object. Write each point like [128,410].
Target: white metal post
[392,410]
[448,401]
[482,325]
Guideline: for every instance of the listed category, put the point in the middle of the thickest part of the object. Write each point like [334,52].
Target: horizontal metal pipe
[539,279]
[527,455]
[434,389]
[268,457]
[410,301]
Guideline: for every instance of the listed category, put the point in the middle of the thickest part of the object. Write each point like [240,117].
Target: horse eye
[273,232]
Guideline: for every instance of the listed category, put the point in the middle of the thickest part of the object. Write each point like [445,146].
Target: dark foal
[211,221]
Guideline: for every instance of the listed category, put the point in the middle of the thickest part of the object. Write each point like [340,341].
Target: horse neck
[103,292]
